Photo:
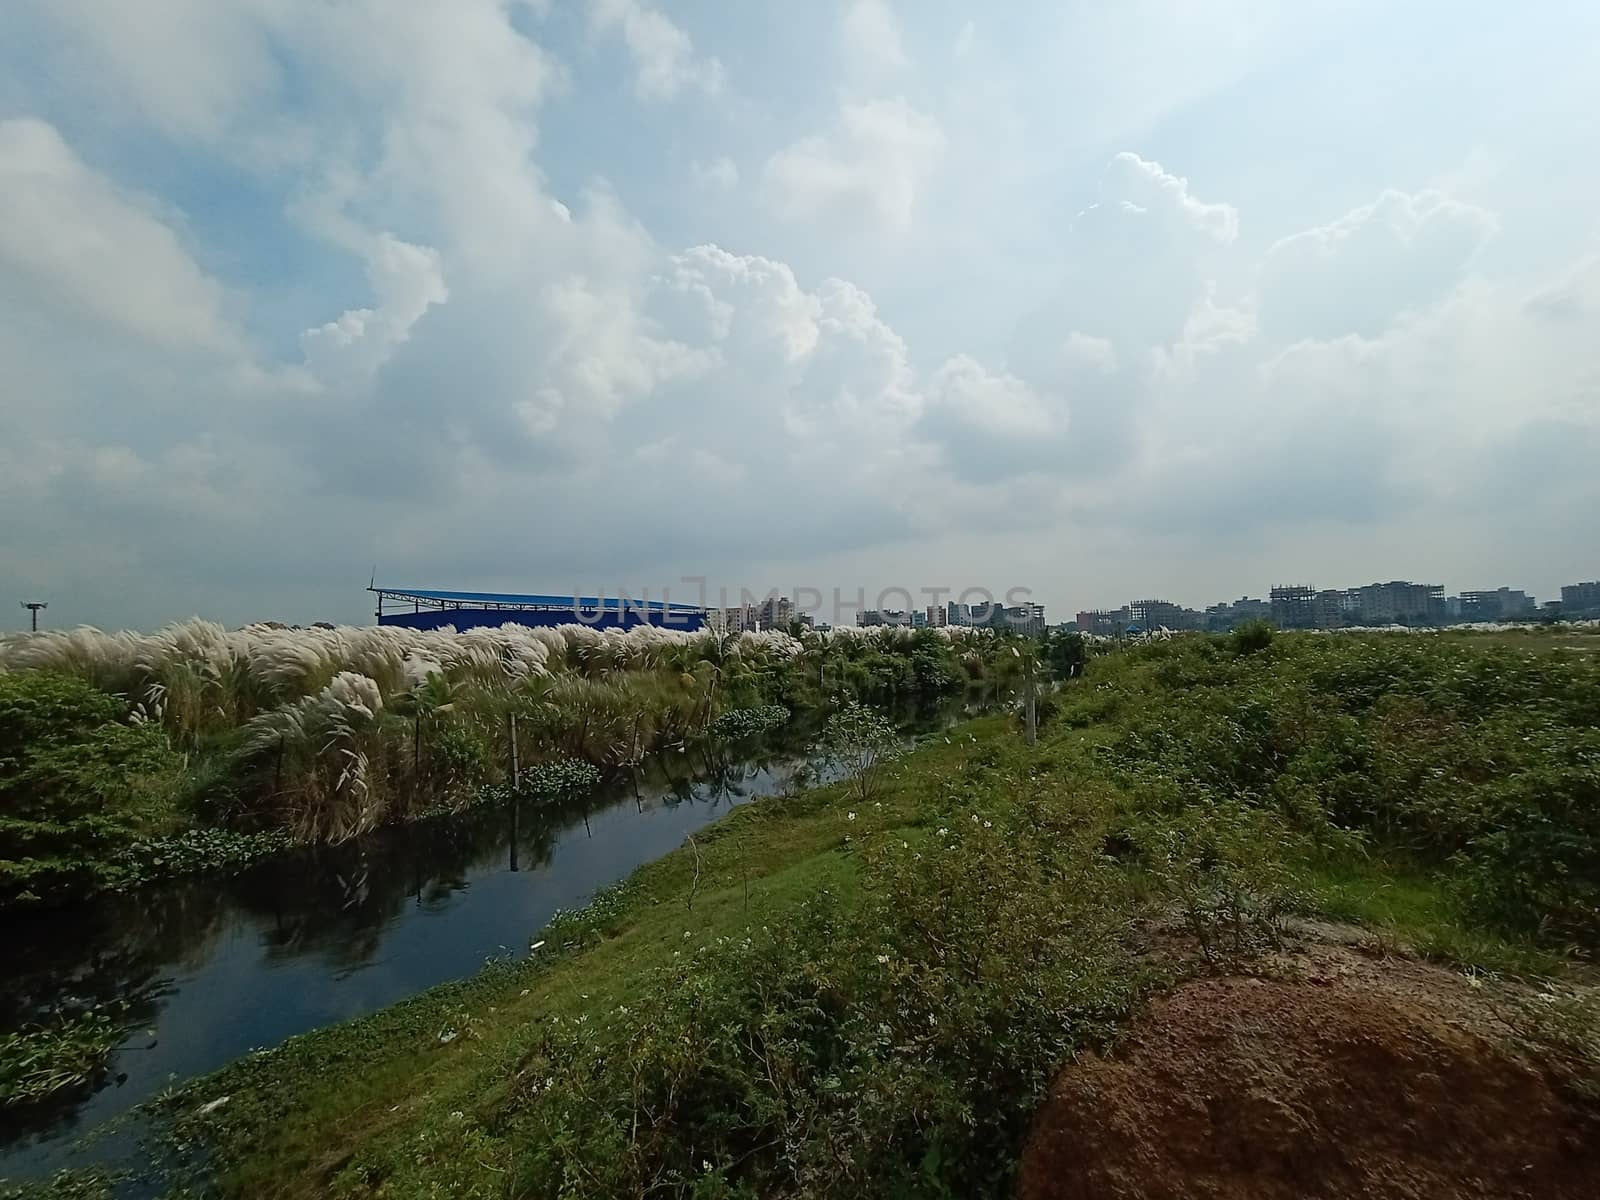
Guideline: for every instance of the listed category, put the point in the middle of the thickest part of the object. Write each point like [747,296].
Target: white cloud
[663,54]
[870,35]
[720,174]
[407,282]
[191,68]
[991,426]
[753,303]
[870,167]
[98,248]
[527,335]
[1359,272]
[1142,186]
[1094,353]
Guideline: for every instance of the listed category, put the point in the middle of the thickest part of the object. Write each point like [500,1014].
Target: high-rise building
[1027,620]
[1580,599]
[775,612]
[1399,602]
[1501,604]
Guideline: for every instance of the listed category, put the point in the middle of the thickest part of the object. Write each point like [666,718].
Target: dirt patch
[1335,1075]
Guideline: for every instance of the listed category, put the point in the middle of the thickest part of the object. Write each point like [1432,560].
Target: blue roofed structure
[435,608]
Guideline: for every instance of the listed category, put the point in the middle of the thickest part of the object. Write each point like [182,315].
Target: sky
[1153,299]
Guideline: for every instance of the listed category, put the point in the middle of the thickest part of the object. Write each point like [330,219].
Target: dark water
[214,969]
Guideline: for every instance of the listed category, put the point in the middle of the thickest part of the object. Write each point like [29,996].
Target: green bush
[859,742]
[1483,762]
[76,786]
[1252,637]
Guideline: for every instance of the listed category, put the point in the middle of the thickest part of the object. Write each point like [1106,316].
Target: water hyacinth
[747,722]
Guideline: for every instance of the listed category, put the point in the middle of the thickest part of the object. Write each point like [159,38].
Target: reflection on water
[212,969]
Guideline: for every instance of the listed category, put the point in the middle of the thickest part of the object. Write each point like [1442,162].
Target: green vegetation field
[863,990]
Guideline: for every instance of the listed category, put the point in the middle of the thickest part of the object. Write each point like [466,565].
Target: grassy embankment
[857,994]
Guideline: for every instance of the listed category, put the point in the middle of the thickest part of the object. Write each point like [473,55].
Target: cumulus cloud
[991,426]
[663,54]
[865,172]
[407,281]
[555,357]
[1136,263]
[870,36]
[1358,273]
[1145,187]
[97,247]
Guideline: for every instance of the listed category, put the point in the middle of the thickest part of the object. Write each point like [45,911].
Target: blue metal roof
[516,599]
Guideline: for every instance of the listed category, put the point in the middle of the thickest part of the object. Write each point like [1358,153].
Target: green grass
[1414,910]
[805,1002]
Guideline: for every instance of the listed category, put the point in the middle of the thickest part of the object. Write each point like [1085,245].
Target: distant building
[1026,620]
[1580,599]
[1399,602]
[1158,614]
[883,616]
[955,614]
[1104,622]
[775,612]
[1501,604]
[729,620]
[1294,606]
[1220,618]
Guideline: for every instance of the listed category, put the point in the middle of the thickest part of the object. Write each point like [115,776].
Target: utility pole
[33,607]
[1030,717]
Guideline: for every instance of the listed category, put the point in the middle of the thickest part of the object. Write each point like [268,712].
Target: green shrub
[1481,762]
[859,742]
[76,786]
[1252,637]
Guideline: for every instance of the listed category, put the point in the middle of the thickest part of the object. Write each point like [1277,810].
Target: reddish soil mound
[1343,1077]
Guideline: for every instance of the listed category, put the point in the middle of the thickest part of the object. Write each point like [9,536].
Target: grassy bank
[854,992]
